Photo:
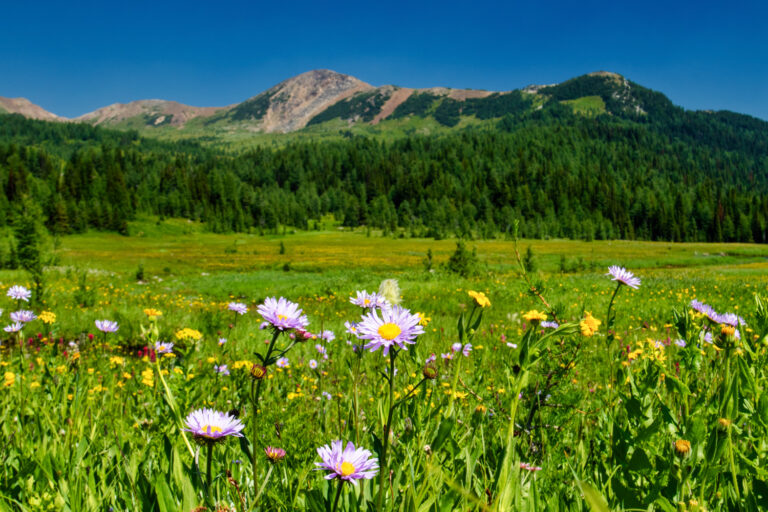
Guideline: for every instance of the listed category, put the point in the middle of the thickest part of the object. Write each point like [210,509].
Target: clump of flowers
[364,299]
[47,317]
[188,334]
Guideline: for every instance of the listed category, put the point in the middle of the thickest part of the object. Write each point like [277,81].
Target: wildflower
[326,395]
[222,341]
[456,347]
[47,317]
[258,372]
[589,325]
[396,326]
[106,326]
[152,313]
[467,349]
[723,423]
[282,314]
[282,362]
[680,343]
[320,348]
[429,372]
[529,467]
[623,276]
[328,335]
[480,299]
[511,345]
[237,307]
[447,356]
[423,319]
[682,448]
[312,364]
[15,327]
[348,463]
[274,455]
[432,357]
[19,293]
[550,325]
[368,300]
[163,348]
[209,425]
[10,379]
[390,291]
[188,334]
[23,316]
[221,370]
[535,317]
[351,328]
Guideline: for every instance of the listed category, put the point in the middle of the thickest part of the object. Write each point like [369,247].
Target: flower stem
[338,495]
[383,467]
[208,481]
[254,423]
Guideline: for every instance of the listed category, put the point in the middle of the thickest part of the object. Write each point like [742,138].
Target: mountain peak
[28,109]
[148,112]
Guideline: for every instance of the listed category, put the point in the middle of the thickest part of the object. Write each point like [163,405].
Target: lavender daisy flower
[731,319]
[283,314]
[680,343]
[107,326]
[708,337]
[13,327]
[456,347]
[162,347]
[320,348]
[368,300]
[351,328]
[328,336]
[396,327]
[238,307]
[623,276]
[19,293]
[283,362]
[550,325]
[447,356]
[430,359]
[350,463]
[221,370]
[222,341]
[211,426]
[467,349]
[312,364]
[327,395]
[23,316]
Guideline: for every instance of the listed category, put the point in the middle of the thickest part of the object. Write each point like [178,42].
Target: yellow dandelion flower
[589,325]
[480,298]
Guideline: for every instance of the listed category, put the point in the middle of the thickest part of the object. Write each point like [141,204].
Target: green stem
[208,481]
[383,467]
[254,423]
[338,495]
[356,403]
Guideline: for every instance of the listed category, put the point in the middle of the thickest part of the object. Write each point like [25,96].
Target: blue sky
[74,57]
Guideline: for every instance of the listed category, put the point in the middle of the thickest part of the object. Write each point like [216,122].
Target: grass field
[601,418]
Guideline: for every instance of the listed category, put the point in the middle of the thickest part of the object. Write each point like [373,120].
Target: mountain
[27,109]
[143,113]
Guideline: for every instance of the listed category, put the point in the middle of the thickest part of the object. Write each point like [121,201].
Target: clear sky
[73,57]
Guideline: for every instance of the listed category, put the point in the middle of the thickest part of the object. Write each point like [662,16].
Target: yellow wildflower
[189,334]
[535,317]
[682,447]
[423,319]
[152,313]
[589,325]
[10,379]
[480,298]
[47,317]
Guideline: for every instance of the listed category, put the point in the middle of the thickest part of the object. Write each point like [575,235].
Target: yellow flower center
[389,331]
[367,301]
[282,317]
[209,430]
[347,469]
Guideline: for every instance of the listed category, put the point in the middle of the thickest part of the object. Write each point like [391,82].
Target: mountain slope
[146,113]
[27,109]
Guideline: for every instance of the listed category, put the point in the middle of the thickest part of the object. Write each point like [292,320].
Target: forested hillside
[648,170]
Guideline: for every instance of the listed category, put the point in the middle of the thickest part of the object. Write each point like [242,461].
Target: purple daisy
[396,326]
[350,463]
[549,325]
[283,362]
[623,276]
[274,454]
[351,328]
[237,307]
[107,326]
[162,347]
[19,293]
[328,335]
[282,314]
[312,364]
[210,425]
[23,316]
[368,300]
[13,327]
[221,369]
[731,319]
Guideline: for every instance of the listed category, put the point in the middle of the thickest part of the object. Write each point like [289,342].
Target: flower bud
[430,372]
[258,372]
[682,448]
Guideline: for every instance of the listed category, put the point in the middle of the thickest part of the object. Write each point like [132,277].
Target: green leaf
[595,500]
[442,433]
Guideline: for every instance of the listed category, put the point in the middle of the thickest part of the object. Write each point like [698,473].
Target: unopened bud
[430,372]
[258,372]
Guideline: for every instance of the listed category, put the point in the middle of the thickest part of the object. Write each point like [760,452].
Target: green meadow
[636,412]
